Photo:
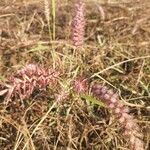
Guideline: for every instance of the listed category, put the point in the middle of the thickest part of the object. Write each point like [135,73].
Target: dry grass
[116,52]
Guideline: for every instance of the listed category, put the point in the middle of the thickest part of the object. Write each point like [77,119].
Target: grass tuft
[115,53]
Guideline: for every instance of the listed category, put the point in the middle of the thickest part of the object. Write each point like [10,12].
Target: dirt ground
[116,52]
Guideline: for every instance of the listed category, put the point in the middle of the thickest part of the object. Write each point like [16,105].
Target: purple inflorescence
[80,85]
[25,81]
[131,129]
[78,24]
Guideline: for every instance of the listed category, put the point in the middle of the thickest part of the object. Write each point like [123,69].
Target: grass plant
[67,115]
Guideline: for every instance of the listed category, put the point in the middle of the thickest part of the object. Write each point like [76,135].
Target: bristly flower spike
[131,129]
[32,77]
[80,85]
[78,24]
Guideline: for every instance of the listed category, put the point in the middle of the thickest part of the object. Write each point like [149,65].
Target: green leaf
[2,78]
[38,48]
[93,100]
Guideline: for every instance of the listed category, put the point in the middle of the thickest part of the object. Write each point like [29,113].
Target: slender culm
[78,24]
[25,81]
[131,129]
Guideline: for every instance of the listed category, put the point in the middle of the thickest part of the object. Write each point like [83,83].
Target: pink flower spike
[78,24]
[117,110]
[26,80]
[113,100]
[80,85]
[131,129]
[111,105]
[107,96]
